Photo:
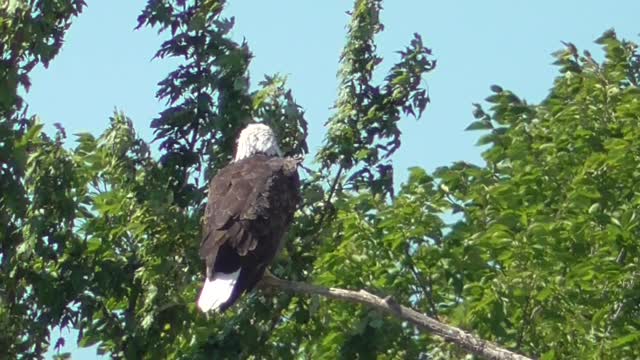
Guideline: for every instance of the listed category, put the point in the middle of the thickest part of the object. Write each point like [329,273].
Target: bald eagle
[250,206]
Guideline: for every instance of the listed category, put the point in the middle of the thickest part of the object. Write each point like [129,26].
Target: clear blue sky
[105,64]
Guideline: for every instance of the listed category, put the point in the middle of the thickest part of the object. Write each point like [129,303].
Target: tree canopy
[535,250]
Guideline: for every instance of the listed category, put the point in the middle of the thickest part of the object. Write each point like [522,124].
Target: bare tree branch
[457,336]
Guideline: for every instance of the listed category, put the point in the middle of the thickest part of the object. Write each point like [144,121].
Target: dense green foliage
[38,260]
[540,256]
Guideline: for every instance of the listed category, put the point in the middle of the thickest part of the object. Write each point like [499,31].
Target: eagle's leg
[262,284]
[267,273]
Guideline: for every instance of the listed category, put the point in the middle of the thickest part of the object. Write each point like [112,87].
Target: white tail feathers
[215,292]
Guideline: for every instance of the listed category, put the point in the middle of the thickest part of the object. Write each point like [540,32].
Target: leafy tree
[40,262]
[541,256]
[549,236]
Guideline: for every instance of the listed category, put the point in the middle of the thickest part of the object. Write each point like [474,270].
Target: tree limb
[449,333]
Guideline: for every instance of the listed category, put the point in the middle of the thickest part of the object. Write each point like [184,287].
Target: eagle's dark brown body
[250,206]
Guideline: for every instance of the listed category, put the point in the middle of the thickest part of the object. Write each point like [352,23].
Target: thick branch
[459,337]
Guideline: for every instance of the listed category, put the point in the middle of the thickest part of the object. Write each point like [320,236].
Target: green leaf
[626,340]
[479,125]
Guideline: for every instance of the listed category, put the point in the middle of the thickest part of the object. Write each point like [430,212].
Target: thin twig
[426,288]
[620,306]
[332,191]
[465,340]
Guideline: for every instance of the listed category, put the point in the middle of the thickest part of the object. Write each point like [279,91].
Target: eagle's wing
[231,191]
[244,194]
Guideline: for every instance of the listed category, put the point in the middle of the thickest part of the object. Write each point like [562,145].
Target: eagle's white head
[256,139]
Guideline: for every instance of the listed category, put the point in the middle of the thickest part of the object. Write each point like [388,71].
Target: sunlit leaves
[38,188]
[363,133]
[554,213]
[536,249]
